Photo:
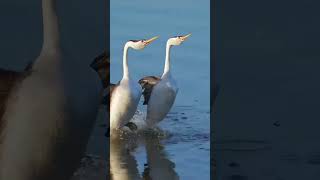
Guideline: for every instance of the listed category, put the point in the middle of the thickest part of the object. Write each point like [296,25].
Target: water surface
[267,121]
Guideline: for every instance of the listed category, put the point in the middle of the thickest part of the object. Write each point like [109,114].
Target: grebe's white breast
[161,100]
[124,102]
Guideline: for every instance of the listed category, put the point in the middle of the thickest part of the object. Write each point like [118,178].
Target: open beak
[150,40]
[185,37]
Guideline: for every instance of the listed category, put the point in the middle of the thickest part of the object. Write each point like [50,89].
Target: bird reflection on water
[124,166]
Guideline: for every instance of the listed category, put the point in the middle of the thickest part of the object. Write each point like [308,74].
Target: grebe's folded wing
[147,83]
[8,79]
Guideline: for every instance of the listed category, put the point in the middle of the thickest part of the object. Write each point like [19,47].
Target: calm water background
[267,121]
[188,145]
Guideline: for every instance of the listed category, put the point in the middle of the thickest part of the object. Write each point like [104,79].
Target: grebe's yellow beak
[185,37]
[150,40]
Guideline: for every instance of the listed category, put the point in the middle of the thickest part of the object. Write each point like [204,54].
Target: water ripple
[241,145]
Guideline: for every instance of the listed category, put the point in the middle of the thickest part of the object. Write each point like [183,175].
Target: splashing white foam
[139,120]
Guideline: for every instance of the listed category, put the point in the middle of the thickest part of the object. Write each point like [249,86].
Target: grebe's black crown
[134,40]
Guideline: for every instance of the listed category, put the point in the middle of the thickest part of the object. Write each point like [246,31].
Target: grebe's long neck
[50,27]
[125,62]
[167,61]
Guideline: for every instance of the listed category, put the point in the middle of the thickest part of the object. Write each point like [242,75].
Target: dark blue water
[187,127]
[267,117]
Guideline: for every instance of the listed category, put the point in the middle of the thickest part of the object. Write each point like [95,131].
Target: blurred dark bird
[101,65]
[47,111]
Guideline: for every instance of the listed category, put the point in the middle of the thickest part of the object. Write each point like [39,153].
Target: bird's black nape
[134,40]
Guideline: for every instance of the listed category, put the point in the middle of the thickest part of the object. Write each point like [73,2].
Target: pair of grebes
[159,92]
